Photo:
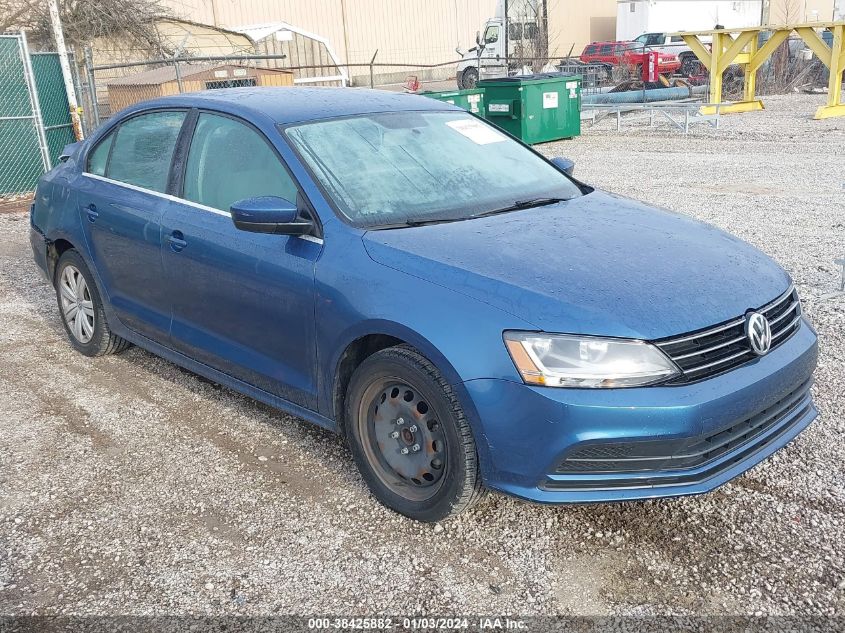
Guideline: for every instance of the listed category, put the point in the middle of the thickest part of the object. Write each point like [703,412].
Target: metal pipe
[59,37]
[35,103]
[178,77]
[372,62]
[644,96]
[92,86]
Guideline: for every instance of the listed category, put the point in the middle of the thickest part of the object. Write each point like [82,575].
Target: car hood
[598,264]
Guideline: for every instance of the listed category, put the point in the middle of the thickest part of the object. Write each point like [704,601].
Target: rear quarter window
[143,149]
[98,158]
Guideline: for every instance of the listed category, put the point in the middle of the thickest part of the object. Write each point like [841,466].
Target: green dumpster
[471,100]
[535,108]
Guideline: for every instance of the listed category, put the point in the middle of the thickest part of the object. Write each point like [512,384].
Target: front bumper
[664,433]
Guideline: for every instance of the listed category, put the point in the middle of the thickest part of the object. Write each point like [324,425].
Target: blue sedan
[461,309]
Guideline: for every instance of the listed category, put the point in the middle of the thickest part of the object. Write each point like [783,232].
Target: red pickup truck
[630,54]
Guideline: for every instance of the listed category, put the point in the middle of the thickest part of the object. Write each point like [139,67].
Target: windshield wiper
[414,222]
[516,206]
[519,205]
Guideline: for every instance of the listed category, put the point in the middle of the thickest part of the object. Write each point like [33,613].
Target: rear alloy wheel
[82,310]
[77,306]
[409,436]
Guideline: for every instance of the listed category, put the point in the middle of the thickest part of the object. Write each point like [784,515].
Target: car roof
[294,104]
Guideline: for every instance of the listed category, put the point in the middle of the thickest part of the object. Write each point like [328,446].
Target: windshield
[410,167]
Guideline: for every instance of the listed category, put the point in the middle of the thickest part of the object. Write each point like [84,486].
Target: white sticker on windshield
[476,131]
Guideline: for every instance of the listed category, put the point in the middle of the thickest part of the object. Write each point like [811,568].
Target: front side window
[229,161]
[491,35]
[382,169]
[143,149]
[98,158]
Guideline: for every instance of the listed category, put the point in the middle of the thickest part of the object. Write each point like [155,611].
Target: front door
[121,204]
[492,57]
[243,302]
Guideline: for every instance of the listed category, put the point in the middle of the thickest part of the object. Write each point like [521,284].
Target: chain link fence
[34,115]
[108,88]
[22,138]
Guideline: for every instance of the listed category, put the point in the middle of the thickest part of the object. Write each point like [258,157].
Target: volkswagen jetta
[463,310]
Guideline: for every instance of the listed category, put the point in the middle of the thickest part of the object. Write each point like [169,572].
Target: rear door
[121,202]
[243,302]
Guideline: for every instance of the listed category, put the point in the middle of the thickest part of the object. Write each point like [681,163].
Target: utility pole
[58,35]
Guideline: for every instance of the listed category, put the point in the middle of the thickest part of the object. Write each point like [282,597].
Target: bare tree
[85,20]
[527,24]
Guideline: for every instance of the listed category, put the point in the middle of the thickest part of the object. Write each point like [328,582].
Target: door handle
[91,210]
[177,241]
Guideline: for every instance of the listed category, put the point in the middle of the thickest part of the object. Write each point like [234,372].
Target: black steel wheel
[409,436]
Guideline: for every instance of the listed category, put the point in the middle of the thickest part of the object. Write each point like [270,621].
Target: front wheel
[469,79]
[410,438]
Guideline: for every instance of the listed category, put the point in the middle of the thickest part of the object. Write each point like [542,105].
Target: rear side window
[590,50]
[99,157]
[229,161]
[143,149]
[606,49]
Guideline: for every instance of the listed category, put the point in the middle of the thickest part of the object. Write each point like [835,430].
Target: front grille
[687,453]
[723,347]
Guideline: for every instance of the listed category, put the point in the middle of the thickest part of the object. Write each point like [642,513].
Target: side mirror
[269,214]
[478,38]
[564,164]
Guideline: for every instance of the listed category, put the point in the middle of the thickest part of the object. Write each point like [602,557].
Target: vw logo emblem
[759,333]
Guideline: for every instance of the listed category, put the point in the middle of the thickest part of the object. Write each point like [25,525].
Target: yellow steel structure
[741,47]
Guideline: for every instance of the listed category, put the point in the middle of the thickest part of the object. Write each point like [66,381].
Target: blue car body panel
[230,293]
[272,316]
[598,264]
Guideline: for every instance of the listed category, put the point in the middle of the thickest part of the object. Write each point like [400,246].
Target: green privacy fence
[34,116]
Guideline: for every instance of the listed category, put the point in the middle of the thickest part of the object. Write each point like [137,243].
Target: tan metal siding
[424,31]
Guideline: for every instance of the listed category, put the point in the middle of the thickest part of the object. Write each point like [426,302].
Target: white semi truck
[508,41]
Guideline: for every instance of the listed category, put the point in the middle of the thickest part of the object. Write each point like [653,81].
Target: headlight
[564,360]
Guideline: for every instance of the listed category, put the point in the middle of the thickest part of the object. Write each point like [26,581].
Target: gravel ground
[128,485]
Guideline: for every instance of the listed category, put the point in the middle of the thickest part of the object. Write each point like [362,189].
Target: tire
[469,79]
[410,438]
[690,66]
[84,319]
